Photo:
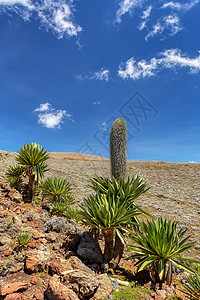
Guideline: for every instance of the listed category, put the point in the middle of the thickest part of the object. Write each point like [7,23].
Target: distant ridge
[68,155]
[76,156]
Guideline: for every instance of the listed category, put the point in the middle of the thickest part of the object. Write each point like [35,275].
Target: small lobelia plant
[14,175]
[64,209]
[56,190]
[59,208]
[23,239]
[192,287]
[158,246]
[72,213]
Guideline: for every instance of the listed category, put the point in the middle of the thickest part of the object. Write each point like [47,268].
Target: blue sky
[69,68]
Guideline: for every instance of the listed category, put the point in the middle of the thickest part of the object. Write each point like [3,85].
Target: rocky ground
[58,264]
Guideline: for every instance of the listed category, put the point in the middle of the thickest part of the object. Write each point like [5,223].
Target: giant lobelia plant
[126,190]
[158,245]
[192,287]
[110,215]
[33,158]
[118,149]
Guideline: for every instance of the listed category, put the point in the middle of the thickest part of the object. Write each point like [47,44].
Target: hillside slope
[174,193]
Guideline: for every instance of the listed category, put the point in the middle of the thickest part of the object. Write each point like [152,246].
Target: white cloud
[25,3]
[53,15]
[49,117]
[137,70]
[102,74]
[145,17]
[97,102]
[51,120]
[146,13]
[104,127]
[173,23]
[171,58]
[43,107]
[180,6]
[127,6]
[165,19]
[157,29]
[174,58]
[170,23]
[142,25]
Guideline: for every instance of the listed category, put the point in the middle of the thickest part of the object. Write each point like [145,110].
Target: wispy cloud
[146,13]
[102,74]
[127,6]
[172,58]
[104,127]
[57,16]
[155,18]
[49,117]
[43,107]
[145,17]
[170,23]
[180,6]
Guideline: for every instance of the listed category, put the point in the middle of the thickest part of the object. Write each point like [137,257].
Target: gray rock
[61,267]
[5,223]
[17,225]
[51,236]
[115,284]
[37,260]
[5,240]
[105,267]
[89,250]
[104,288]
[57,291]
[56,224]
[161,293]
[15,196]
[81,283]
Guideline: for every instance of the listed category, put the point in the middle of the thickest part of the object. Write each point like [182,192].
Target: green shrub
[42,275]
[37,201]
[132,292]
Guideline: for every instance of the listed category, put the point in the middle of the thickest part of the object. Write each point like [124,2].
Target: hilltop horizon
[85,156]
